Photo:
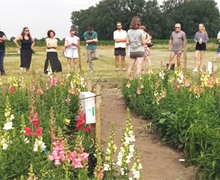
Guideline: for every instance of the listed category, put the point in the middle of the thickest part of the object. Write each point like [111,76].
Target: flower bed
[184,112]
[43,134]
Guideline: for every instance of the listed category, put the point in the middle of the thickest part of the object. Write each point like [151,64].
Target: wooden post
[79,52]
[90,85]
[185,55]
[98,113]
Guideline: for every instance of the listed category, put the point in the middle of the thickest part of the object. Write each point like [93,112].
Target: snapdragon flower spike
[99,169]
[81,122]
[78,157]
[137,167]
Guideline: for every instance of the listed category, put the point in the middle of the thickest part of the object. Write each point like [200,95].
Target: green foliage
[159,19]
[185,117]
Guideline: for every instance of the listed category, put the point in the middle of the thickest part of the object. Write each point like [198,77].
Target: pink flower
[128,85]
[51,157]
[57,162]
[12,89]
[38,132]
[87,129]
[53,81]
[27,131]
[40,91]
[77,163]
[142,86]
[139,91]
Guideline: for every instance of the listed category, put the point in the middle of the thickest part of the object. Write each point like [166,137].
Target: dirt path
[159,161]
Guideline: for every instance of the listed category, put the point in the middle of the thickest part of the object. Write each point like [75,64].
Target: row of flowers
[185,112]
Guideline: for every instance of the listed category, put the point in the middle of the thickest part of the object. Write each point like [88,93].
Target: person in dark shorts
[136,40]
[177,40]
[26,48]
[52,57]
[3,38]
[201,38]
[120,37]
[218,50]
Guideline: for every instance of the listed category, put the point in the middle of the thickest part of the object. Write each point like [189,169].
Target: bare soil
[159,161]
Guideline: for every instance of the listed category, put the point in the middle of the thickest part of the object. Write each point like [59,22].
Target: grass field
[104,67]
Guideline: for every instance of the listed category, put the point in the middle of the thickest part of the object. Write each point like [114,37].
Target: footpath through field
[159,161]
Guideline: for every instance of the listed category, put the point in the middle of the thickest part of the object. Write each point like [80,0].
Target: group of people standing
[137,39]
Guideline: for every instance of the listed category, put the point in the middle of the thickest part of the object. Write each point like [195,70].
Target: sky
[41,15]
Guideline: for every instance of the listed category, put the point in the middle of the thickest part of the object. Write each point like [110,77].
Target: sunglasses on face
[177,27]
[26,30]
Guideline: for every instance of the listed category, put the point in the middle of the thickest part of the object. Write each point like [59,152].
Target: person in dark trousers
[3,38]
[91,39]
[52,57]
[26,48]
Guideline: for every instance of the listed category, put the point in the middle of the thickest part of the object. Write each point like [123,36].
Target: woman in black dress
[51,44]
[26,48]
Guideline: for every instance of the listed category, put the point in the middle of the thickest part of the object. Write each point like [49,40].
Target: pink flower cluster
[40,91]
[53,81]
[80,159]
[58,153]
[81,122]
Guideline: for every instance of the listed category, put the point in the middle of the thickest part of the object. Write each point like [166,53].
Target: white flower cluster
[180,76]
[49,70]
[136,171]
[162,74]
[39,145]
[127,149]
[5,139]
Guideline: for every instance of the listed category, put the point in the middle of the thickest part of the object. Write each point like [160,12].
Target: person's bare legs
[145,65]
[27,70]
[123,62]
[178,60]
[196,59]
[116,62]
[202,53]
[75,65]
[130,67]
[149,62]
[139,65]
[68,64]
[218,56]
[172,55]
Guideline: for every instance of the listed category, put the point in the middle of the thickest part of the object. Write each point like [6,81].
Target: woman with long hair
[147,60]
[52,58]
[136,40]
[201,38]
[26,48]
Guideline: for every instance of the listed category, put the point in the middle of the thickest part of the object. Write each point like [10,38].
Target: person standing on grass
[120,37]
[3,38]
[26,48]
[51,44]
[201,38]
[71,43]
[136,40]
[218,51]
[177,41]
[147,50]
[91,38]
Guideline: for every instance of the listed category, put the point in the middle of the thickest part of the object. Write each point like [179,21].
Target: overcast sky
[41,15]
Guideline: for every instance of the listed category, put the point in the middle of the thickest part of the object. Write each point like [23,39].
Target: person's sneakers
[116,69]
[195,70]
[123,69]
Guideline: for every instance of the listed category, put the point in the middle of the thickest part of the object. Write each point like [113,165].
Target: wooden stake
[79,52]
[90,85]
[185,55]
[98,113]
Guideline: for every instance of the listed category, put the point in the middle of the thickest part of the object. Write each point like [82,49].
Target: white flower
[39,145]
[8,126]
[130,178]
[106,167]
[136,174]
[161,74]
[26,140]
[5,146]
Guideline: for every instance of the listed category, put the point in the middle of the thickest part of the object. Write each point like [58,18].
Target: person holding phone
[71,43]
[26,48]
[201,38]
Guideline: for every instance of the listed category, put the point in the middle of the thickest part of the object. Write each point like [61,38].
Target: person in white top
[120,37]
[52,57]
[71,43]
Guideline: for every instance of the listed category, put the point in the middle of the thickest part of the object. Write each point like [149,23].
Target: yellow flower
[67,121]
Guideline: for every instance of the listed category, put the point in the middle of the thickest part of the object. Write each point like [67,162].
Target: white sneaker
[123,69]
[91,72]
[116,69]
[195,70]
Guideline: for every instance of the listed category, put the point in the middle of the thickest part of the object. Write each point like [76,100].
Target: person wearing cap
[177,40]
[3,38]
[120,37]
[91,38]
[71,44]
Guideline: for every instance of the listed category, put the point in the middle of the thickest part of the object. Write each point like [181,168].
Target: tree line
[159,19]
